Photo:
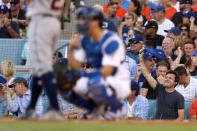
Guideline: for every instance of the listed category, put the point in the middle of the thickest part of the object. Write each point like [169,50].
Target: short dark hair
[181,70]
[174,73]
[190,42]
[112,3]
[163,63]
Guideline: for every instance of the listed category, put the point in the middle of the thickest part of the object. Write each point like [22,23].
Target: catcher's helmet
[90,14]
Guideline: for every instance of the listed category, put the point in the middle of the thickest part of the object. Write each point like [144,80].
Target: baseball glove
[66,76]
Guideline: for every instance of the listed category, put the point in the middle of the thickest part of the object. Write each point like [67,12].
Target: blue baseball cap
[159,8]
[194,53]
[18,80]
[149,53]
[174,30]
[4,8]
[136,39]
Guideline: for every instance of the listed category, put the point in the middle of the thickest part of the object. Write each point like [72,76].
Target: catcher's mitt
[66,76]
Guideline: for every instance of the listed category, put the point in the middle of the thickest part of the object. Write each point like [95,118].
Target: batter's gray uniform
[43,33]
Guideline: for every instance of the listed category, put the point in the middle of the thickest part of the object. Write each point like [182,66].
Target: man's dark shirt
[154,42]
[178,19]
[151,94]
[168,103]
[21,16]
[4,31]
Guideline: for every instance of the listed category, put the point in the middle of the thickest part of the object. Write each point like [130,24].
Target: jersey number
[54,5]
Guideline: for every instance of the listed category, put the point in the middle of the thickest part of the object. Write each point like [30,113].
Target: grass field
[18,125]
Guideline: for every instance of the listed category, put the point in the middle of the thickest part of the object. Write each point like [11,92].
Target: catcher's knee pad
[102,94]
[66,76]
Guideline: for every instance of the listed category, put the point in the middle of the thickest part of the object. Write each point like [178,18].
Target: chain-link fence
[69,27]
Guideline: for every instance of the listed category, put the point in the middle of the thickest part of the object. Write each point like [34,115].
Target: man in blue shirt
[8,28]
[137,106]
[135,43]
[23,96]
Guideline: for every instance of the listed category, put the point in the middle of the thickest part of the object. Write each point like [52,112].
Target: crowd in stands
[160,38]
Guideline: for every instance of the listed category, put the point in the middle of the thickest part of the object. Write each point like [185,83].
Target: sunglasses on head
[13,3]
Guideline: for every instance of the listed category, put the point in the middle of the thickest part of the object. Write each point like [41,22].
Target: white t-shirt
[190,92]
[166,25]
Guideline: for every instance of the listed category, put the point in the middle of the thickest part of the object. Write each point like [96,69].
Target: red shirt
[194,8]
[193,108]
[120,12]
[146,12]
[170,12]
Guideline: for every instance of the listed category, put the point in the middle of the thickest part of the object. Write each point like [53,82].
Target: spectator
[5,2]
[137,106]
[175,4]
[145,9]
[107,24]
[18,15]
[185,31]
[187,86]
[8,28]
[183,54]
[147,91]
[150,63]
[163,23]
[7,70]
[170,103]
[120,11]
[111,14]
[193,110]
[22,99]
[189,48]
[126,28]
[151,28]
[170,10]
[134,7]
[3,98]
[136,43]
[174,32]
[167,46]
[191,64]
[178,56]
[185,6]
